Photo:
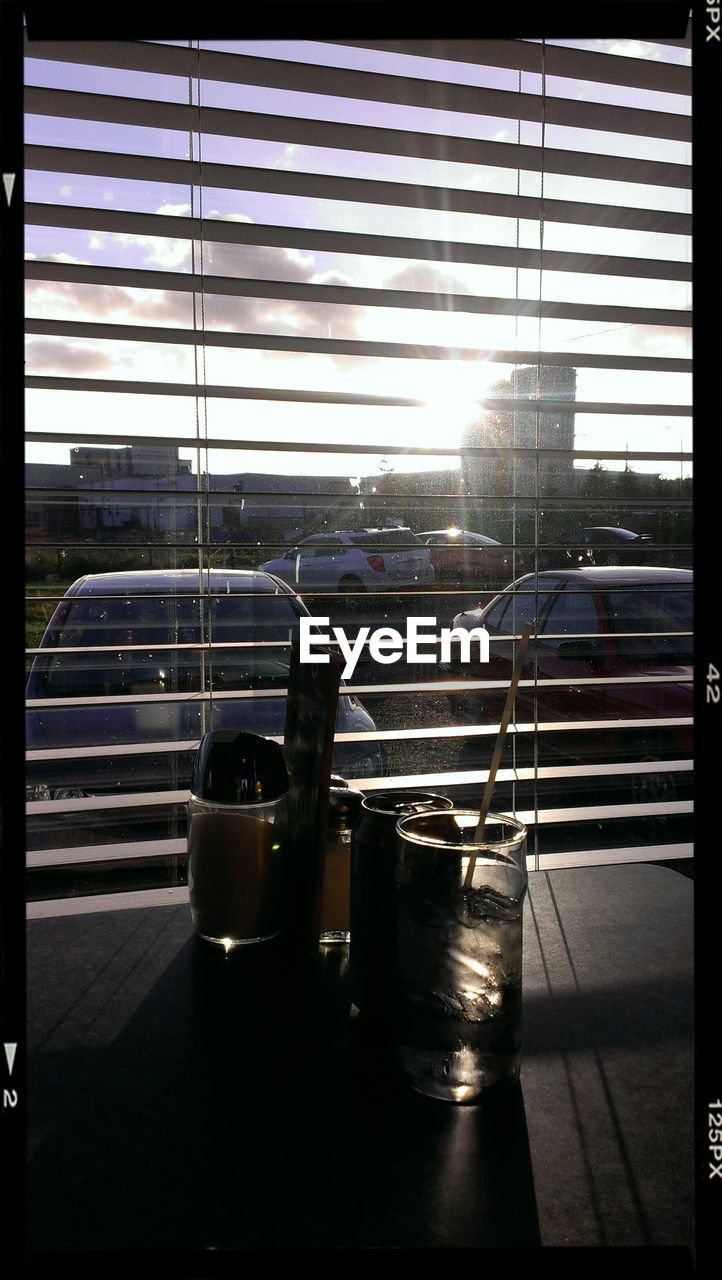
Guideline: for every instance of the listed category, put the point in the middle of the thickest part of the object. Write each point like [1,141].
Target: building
[503,474]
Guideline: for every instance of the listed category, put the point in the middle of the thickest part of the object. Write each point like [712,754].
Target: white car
[356,561]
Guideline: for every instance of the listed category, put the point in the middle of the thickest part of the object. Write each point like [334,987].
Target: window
[288,307]
[572,613]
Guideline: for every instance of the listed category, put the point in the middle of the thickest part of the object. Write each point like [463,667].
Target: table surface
[178,1100]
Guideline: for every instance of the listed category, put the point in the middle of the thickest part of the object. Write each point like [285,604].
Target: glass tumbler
[236,871]
[459,951]
[237,846]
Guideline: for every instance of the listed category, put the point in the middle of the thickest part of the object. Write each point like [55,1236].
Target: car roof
[151,581]
[322,537]
[351,533]
[609,528]
[607,575]
[450,529]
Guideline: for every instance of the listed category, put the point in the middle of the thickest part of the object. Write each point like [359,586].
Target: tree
[626,481]
[596,482]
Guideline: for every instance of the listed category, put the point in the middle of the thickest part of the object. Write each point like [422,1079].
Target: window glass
[173,620]
[651,610]
[524,606]
[572,613]
[351,366]
[493,621]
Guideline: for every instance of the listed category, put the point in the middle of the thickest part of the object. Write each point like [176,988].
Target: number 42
[712,683]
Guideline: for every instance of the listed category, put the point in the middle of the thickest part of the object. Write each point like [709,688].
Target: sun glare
[453,401]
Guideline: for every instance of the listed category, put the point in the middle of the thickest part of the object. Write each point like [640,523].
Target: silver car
[352,563]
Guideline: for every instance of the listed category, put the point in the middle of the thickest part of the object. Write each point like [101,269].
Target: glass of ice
[459,944]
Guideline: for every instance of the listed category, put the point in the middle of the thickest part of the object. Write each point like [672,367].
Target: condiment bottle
[343,811]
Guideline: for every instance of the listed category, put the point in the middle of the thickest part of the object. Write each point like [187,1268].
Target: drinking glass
[459,951]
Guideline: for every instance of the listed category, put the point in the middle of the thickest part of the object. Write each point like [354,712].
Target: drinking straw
[499,747]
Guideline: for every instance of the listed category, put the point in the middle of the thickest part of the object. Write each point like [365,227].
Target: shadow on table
[240,1109]
[653,1012]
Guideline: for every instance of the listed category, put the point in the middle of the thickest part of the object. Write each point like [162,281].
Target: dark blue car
[152,660]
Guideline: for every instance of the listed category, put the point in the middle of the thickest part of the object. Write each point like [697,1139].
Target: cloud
[332,277]
[423,277]
[284,317]
[182,210]
[227,217]
[174,308]
[64,257]
[257,262]
[663,340]
[51,355]
[62,300]
[288,159]
[634,49]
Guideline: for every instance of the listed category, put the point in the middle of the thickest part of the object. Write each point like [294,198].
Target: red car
[461,558]
[603,636]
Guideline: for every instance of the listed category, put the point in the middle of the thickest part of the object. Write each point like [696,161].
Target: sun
[452,393]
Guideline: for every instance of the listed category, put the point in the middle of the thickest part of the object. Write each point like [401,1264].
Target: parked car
[597,544]
[592,623]
[355,562]
[459,556]
[138,631]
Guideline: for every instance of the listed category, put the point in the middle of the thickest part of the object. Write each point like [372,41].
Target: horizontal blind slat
[295,396]
[217,497]
[443,251]
[583,64]
[223,122]
[369,86]
[120,750]
[442,199]
[146,800]
[350,295]
[344,346]
[349,690]
[83,854]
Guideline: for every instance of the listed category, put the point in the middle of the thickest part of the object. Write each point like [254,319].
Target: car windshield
[263,621]
[643,611]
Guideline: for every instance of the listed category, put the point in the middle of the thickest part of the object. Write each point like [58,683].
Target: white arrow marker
[10,1055]
[9,183]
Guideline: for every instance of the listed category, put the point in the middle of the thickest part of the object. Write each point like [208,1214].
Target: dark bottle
[373,896]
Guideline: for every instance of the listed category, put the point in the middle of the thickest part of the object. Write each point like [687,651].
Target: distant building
[98,464]
[149,489]
[502,474]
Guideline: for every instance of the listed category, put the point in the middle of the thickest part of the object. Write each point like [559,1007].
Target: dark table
[178,1100]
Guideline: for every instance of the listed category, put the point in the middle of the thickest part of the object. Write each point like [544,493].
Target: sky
[449,389]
